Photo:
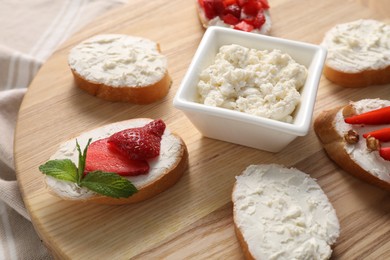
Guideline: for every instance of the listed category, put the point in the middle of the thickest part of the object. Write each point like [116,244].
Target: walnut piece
[372,143]
[351,137]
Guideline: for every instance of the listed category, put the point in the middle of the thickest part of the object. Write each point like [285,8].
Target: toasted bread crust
[133,94]
[357,80]
[334,145]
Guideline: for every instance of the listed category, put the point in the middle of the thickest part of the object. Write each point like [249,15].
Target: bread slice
[358,53]
[356,159]
[118,67]
[282,213]
[217,21]
[165,170]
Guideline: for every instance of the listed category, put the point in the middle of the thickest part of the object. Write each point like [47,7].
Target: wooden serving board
[192,220]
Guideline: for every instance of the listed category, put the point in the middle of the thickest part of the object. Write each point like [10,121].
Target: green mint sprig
[105,183]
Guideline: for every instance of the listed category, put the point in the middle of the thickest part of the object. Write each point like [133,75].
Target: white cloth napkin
[30,33]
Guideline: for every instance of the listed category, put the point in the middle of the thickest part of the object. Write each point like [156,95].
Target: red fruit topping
[259,20]
[251,7]
[139,143]
[234,10]
[264,4]
[230,19]
[208,8]
[244,26]
[229,2]
[100,156]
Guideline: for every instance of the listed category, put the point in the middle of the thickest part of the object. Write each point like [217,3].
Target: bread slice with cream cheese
[355,158]
[358,53]
[165,169]
[118,67]
[282,213]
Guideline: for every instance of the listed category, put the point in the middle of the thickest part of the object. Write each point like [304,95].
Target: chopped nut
[348,111]
[351,137]
[372,143]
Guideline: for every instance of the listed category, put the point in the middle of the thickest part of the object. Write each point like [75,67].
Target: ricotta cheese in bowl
[251,89]
[263,83]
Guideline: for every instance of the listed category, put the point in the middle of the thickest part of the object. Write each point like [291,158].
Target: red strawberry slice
[251,7]
[230,19]
[100,156]
[244,26]
[233,10]
[259,20]
[139,143]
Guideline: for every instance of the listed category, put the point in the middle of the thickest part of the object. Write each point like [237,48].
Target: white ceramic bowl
[238,127]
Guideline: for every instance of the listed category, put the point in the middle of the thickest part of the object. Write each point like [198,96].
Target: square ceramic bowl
[239,127]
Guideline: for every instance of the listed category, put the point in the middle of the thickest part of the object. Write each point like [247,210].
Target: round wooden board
[194,218]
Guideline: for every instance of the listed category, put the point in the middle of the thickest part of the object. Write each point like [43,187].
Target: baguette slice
[282,213]
[118,67]
[165,170]
[358,54]
[355,159]
[217,21]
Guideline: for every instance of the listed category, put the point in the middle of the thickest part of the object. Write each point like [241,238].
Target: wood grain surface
[192,220]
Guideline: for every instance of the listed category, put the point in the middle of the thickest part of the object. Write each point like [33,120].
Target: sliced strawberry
[208,7]
[156,127]
[101,157]
[251,8]
[264,4]
[229,2]
[219,7]
[139,143]
[244,26]
[259,20]
[230,19]
[241,3]
[234,10]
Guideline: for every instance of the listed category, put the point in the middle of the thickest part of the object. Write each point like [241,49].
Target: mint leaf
[60,169]
[82,159]
[108,184]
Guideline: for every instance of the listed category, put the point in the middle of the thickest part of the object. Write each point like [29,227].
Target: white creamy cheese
[169,151]
[283,214]
[264,83]
[371,162]
[358,46]
[118,60]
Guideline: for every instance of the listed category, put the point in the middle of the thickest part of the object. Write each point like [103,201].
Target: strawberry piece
[230,19]
[229,2]
[100,156]
[251,8]
[381,134]
[244,26]
[374,117]
[219,7]
[259,20]
[241,3]
[139,143]
[385,153]
[234,10]
[208,7]
[264,4]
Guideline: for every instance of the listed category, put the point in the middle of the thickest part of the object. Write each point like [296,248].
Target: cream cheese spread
[169,150]
[358,46]
[118,60]
[370,161]
[264,83]
[283,213]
